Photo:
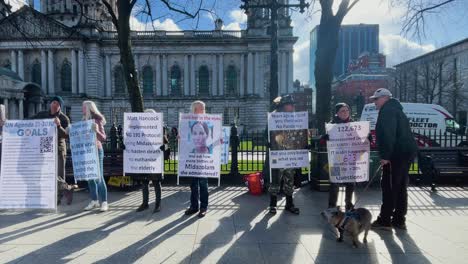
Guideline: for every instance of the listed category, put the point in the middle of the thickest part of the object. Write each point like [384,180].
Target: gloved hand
[162,147]
[123,146]
[325,137]
[369,137]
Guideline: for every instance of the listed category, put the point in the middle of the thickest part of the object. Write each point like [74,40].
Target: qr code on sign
[46,144]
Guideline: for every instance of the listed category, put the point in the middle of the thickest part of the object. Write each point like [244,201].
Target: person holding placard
[97,188]
[62,122]
[199,185]
[282,104]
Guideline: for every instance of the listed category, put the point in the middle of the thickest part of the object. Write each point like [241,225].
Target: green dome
[9,73]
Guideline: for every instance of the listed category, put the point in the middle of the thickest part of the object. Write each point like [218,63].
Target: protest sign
[288,139]
[28,177]
[84,151]
[200,145]
[143,137]
[348,152]
[225,149]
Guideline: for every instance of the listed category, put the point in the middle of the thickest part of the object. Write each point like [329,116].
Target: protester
[283,104]
[155,178]
[62,122]
[397,148]
[97,188]
[199,186]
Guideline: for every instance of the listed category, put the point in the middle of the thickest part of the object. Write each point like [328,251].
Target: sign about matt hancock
[348,152]
[288,139]
[200,145]
[28,177]
[143,137]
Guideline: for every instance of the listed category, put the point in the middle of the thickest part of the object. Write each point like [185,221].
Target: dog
[353,222]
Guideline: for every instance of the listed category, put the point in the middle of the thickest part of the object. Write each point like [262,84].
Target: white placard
[288,140]
[29,165]
[225,149]
[143,137]
[348,152]
[84,151]
[200,145]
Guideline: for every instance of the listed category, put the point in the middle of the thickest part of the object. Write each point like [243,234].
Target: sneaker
[379,225]
[401,226]
[104,207]
[92,205]
[191,211]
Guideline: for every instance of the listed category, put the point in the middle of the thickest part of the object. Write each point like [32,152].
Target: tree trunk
[126,57]
[327,44]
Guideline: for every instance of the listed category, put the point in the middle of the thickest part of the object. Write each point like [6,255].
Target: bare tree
[327,45]
[417,11]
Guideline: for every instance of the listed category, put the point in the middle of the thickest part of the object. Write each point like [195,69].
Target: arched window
[119,80]
[65,76]
[231,80]
[147,80]
[203,81]
[175,80]
[36,73]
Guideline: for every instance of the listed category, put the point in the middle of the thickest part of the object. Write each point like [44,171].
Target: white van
[427,121]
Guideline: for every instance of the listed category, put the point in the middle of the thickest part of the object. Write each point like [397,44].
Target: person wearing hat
[282,104]
[62,122]
[397,149]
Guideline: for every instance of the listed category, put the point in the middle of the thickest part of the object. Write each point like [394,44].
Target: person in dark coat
[62,122]
[397,148]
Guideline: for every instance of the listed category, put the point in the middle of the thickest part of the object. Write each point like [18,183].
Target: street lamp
[273,5]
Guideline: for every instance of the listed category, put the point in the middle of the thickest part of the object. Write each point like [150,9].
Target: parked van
[432,124]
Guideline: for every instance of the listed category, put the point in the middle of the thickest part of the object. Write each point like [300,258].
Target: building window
[231,81]
[175,80]
[203,81]
[119,80]
[147,80]
[65,76]
[75,10]
[36,73]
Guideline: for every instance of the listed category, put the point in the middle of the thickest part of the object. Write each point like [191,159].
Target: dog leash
[379,169]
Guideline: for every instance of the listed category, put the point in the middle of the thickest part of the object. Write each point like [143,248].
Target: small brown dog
[352,222]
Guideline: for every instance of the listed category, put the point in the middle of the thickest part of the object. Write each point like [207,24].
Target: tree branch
[112,13]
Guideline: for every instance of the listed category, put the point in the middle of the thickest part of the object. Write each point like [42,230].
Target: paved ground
[237,229]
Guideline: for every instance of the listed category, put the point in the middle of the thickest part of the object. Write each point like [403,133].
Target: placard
[28,178]
[200,145]
[84,151]
[348,152]
[143,137]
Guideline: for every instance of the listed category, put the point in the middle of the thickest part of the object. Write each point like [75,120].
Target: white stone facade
[229,70]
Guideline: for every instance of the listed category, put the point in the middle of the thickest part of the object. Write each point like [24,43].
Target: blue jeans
[98,187]
[203,194]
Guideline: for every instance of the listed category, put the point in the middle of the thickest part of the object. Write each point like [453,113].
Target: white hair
[194,104]
[150,111]
[92,112]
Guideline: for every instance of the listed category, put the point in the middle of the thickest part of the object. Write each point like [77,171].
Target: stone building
[64,54]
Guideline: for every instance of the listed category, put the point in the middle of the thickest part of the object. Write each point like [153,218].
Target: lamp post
[273,6]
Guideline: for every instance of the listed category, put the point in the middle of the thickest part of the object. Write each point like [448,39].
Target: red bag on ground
[254,182]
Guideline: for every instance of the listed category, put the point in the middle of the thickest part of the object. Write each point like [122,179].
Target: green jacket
[394,136]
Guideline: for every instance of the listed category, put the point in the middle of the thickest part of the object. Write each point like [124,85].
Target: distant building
[439,77]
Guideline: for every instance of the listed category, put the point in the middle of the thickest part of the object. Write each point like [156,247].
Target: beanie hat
[338,106]
[59,100]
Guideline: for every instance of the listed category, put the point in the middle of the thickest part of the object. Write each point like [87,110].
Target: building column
[21,108]
[186,76]
[21,64]
[50,64]
[193,90]
[221,75]
[290,72]
[74,77]
[241,77]
[43,71]
[261,75]
[108,77]
[250,73]
[43,6]
[13,61]
[81,72]
[164,76]
[7,111]
[257,73]
[158,75]
[284,76]
[214,75]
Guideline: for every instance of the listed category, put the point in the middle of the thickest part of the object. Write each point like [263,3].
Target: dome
[9,73]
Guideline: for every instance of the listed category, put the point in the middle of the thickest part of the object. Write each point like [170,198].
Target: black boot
[273,201]
[157,190]
[145,192]
[290,205]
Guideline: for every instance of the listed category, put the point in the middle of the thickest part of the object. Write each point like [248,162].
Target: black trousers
[333,194]
[157,190]
[394,185]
